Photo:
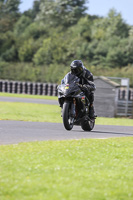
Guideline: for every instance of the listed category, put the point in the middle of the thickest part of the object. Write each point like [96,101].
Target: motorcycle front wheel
[67,119]
[88,125]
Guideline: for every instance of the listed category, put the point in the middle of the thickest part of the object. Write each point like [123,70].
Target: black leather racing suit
[86,79]
[88,86]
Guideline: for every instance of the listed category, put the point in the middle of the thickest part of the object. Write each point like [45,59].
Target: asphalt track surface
[28,100]
[14,132]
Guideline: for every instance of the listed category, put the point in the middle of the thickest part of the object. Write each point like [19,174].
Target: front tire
[67,119]
[88,125]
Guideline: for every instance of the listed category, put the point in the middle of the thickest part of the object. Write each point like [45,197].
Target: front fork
[73,110]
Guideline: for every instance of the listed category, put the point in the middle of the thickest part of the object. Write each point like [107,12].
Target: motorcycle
[74,104]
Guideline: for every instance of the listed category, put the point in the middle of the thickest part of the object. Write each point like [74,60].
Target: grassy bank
[3,94]
[47,113]
[69,170]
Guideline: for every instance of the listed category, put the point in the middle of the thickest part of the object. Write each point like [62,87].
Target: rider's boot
[91,111]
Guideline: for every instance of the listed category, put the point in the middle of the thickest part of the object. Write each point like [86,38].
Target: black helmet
[77,67]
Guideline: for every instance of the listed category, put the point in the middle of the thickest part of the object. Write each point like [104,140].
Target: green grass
[114,121]
[88,169]
[29,112]
[47,113]
[2,94]
[44,113]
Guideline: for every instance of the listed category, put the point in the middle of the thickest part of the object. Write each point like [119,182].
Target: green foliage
[44,55]
[55,72]
[53,50]
[8,14]
[113,72]
[21,72]
[34,30]
[21,25]
[10,55]
[36,8]
[84,28]
[53,33]
[116,25]
[112,25]
[63,12]
[26,51]
[6,41]
[9,6]
[52,72]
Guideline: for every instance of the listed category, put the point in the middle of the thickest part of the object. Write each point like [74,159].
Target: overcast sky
[99,7]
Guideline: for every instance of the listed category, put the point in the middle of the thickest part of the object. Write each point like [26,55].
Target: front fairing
[69,86]
[68,90]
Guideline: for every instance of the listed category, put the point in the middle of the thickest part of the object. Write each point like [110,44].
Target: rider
[86,80]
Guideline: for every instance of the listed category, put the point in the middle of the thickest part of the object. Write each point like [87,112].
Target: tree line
[39,44]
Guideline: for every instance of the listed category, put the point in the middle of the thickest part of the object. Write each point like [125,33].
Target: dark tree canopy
[9,12]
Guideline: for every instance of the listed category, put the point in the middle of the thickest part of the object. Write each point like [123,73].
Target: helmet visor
[77,71]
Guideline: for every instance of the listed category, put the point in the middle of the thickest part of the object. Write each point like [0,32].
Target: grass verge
[29,112]
[47,113]
[2,94]
[69,170]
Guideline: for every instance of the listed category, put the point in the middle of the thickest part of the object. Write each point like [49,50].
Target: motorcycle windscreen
[70,78]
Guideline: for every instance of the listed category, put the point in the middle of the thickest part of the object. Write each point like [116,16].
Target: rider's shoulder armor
[87,74]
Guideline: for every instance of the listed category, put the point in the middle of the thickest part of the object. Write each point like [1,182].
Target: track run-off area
[14,132]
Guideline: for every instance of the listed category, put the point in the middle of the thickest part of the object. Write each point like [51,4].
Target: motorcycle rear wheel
[88,125]
[67,120]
